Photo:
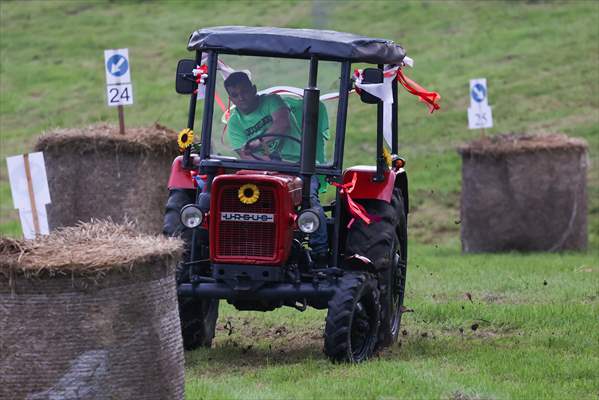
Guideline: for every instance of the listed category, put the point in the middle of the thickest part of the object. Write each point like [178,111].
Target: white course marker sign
[479,113]
[30,193]
[119,90]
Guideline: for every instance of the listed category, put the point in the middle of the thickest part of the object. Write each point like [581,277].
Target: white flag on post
[30,192]
[383,91]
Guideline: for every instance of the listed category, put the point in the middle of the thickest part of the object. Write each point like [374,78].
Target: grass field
[531,328]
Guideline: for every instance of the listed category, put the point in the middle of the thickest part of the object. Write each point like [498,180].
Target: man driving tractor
[257,116]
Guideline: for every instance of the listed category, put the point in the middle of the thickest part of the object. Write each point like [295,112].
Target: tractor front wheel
[353,319]
[198,317]
[198,321]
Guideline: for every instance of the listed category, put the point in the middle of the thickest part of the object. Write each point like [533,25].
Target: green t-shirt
[296,107]
[244,127]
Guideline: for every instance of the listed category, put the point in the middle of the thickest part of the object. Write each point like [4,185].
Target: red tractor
[248,218]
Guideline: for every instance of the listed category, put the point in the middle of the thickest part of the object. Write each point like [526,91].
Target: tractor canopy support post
[208,105]
[344,88]
[380,159]
[309,131]
[191,116]
[394,120]
[313,76]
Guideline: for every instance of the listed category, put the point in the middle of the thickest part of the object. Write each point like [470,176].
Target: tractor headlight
[191,216]
[308,221]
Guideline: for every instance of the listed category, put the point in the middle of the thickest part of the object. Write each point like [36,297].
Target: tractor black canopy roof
[296,43]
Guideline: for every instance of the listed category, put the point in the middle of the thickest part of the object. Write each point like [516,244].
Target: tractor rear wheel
[353,319]
[392,283]
[393,280]
[384,243]
[198,317]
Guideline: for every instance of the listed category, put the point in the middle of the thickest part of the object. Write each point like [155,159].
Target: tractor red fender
[365,187]
[181,178]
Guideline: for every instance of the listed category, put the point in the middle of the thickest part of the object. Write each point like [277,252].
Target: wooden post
[121,119]
[36,222]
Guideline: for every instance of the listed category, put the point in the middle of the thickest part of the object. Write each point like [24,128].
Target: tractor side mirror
[371,75]
[185,81]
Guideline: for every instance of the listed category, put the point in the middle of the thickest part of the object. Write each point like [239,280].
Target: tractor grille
[247,239]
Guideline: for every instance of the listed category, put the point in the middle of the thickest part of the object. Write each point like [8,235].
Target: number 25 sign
[479,113]
[119,90]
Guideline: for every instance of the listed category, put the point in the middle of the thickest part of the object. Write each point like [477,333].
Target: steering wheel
[264,148]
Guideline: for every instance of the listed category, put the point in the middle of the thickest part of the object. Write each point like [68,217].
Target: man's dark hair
[237,79]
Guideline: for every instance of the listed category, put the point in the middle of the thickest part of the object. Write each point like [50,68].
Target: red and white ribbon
[355,209]
[429,98]
[384,92]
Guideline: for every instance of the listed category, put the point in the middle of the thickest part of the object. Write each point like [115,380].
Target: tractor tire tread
[340,313]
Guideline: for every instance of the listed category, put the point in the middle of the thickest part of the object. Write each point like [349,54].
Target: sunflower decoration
[248,193]
[185,138]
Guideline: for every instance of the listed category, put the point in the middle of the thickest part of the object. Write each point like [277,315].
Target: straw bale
[512,143]
[525,193]
[150,140]
[85,249]
[61,337]
[95,172]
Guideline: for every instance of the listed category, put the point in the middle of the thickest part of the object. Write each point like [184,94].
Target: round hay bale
[524,193]
[90,312]
[96,172]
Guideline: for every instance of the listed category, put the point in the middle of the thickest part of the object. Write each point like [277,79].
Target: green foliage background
[537,313]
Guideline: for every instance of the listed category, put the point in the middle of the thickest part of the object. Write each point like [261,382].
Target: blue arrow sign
[479,92]
[117,65]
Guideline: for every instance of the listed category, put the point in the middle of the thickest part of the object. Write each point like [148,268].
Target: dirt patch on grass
[477,328]
[494,298]
[252,343]
[477,298]
[588,269]
[459,395]
[261,350]
[424,343]
[590,299]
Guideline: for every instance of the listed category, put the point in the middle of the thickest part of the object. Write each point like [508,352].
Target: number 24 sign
[118,95]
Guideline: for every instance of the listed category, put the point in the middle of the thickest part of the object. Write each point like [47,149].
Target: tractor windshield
[258,109]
